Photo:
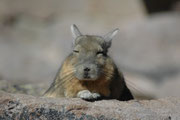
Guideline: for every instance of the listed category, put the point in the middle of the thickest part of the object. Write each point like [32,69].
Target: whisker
[65,78]
[67,73]
[61,82]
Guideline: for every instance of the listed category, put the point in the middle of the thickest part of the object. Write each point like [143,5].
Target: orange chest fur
[99,86]
[73,86]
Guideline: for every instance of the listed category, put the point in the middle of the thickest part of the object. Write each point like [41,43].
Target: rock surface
[19,106]
[29,89]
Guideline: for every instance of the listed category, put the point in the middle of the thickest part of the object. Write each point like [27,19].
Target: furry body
[89,73]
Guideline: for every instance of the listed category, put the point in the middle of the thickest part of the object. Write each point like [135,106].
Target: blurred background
[35,38]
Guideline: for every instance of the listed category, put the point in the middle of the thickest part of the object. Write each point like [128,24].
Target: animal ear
[75,31]
[109,36]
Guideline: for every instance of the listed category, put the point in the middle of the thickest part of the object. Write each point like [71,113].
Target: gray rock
[150,47]
[28,88]
[19,106]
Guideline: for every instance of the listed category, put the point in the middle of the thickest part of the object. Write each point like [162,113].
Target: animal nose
[87,69]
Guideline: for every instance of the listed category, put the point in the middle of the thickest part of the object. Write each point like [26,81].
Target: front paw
[87,95]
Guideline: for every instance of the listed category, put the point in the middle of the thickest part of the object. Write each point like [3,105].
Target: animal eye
[76,51]
[100,52]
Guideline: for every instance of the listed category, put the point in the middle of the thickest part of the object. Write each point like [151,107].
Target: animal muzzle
[88,72]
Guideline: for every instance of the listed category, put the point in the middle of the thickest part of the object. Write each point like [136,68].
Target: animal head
[90,53]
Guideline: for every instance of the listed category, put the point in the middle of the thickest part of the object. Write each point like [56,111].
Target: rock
[150,47]
[19,106]
[28,88]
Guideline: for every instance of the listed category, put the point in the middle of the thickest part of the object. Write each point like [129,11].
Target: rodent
[89,72]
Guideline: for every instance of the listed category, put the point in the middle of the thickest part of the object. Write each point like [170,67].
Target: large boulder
[19,106]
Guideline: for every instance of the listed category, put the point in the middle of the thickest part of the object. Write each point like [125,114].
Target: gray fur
[75,32]
[89,49]
[90,61]
[109,36]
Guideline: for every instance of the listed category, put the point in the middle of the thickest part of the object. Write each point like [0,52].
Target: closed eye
[76,51]
[100,52]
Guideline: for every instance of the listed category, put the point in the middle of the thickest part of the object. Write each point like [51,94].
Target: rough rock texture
[18,106]
[30,89]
